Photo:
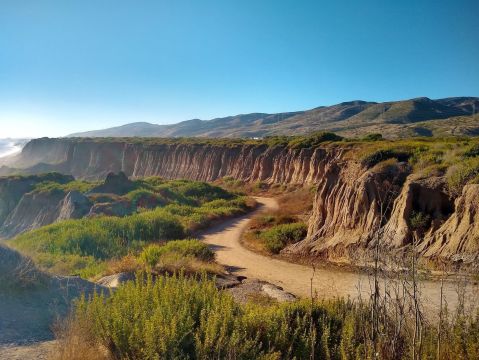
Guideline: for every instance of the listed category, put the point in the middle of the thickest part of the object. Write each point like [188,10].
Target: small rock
[227,281]
[277,293]
[115,280]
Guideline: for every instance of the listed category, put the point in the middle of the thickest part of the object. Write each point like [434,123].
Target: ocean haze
[11,146]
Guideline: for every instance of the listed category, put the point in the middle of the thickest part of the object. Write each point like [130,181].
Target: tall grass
[175,210]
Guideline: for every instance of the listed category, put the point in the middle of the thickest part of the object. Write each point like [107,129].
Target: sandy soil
[37,351]
[295,278]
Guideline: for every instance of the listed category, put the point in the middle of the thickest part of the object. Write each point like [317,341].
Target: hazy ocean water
[11,146]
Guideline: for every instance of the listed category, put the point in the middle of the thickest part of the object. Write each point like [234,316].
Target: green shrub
[373,137]
[101,237]
[461,173]
[472,151]
[180,318]
[419,221]
[203,191]
[183,317]
[144,199]
[384,154]
[59,185]
[184,248]
[313,140]
[277,237]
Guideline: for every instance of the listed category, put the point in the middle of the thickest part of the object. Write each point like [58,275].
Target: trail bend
[224,239]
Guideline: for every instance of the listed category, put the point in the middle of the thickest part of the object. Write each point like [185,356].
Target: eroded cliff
[92,160]
[359,198]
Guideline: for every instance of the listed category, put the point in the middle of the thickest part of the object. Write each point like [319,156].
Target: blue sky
[68,66]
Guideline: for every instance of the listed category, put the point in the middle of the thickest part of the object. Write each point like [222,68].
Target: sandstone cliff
[89,159]
[39,209]
[12,189]
[458,237]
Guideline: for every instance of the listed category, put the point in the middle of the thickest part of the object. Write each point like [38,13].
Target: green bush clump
[204,192]
[472,151]
[184,248]
[419,221]
[101,237]
[277,237]
[313,140]
[182,317]
[373,137]
[142,198]
[380,155]
[49,186]
[461,173]
[187,318]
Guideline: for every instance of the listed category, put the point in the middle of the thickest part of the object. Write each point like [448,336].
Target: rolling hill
[413,117]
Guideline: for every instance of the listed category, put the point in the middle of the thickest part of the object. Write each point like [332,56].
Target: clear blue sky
[71,65]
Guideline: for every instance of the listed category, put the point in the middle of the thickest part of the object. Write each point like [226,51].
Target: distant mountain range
[414,117]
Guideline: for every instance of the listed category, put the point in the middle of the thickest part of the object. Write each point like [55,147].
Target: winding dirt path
[295,278]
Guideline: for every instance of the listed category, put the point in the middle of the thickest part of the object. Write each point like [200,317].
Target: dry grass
[296,203]
[76,342]
[127,264]
[188,265]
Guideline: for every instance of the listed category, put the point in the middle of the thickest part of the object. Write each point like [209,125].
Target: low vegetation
[278,237]
[188,256]
[455,158]
[310,140]
[55,186]
[162,211]
[182,317]
[270,232]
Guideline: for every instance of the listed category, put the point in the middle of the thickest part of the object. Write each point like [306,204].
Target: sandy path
[225,240]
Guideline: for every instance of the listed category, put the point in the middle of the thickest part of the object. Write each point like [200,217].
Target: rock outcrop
[36,209]
[117,184]
[420,195]
[352,203]
[118,208]
[457,239]
[13,188]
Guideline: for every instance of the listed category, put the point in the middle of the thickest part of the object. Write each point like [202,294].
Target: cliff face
[39,209]
[94,160]
[354,204]
[12,190]
[351,204]
[457,239]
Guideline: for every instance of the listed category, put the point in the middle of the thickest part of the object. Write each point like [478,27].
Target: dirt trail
[225,240]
